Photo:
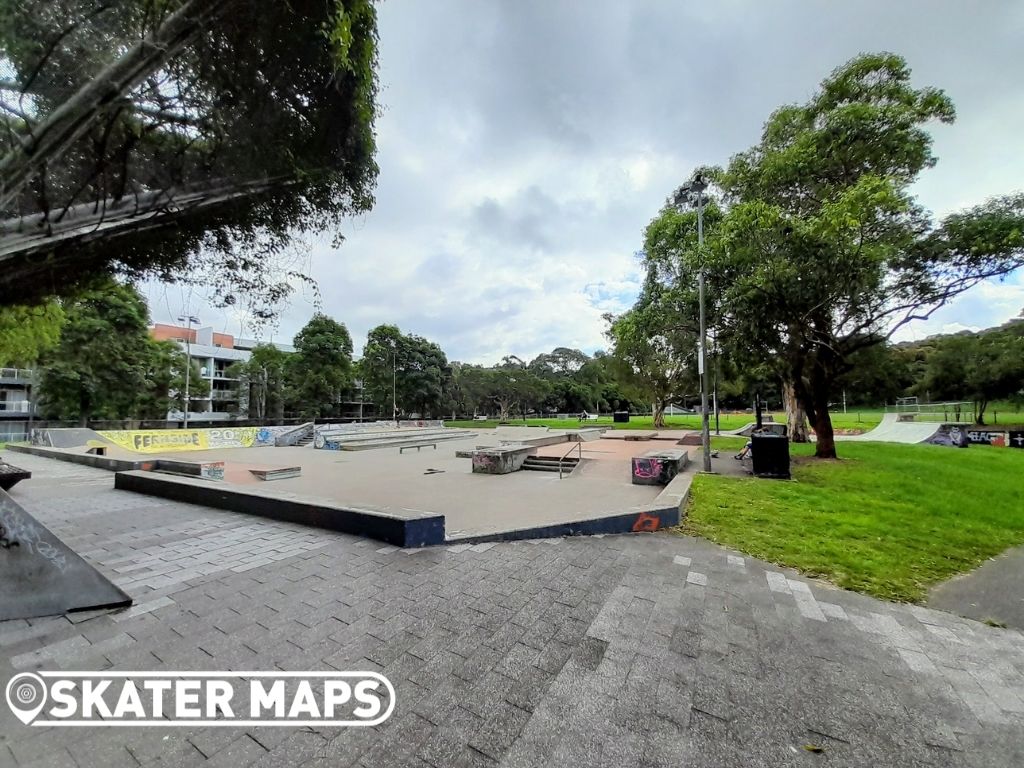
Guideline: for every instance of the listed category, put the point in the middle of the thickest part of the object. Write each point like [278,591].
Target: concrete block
[658,467]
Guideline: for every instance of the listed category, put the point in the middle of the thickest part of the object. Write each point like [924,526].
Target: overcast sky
[524,146]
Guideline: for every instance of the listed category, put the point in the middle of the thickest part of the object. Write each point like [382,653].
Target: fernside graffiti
[165,440]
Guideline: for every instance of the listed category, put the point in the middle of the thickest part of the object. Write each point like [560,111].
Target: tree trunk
[659,414]
[825,447]
[982,405]
[796,417]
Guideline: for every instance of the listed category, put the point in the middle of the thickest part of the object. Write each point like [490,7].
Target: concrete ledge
[658,467]
[402,532]
[11,476]
[278,473]
[641,521]
[208,470]
[502,459]
[88,459]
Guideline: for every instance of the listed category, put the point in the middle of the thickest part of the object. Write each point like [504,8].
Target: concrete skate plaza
[398,484]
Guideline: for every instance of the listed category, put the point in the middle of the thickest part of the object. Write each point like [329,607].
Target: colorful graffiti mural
[165,440]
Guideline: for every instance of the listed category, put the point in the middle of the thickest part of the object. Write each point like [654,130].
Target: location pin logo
[26,696]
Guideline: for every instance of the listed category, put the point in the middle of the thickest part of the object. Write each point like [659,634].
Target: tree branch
[73,118]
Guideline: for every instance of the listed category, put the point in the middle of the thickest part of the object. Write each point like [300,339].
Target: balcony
[12,408]
[22,376]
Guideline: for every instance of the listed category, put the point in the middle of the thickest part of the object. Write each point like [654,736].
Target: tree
[321,367]
[405,373]
[512,385]
[98,368]
[980,367]
[823,251]
[164,375]
[129,130]
[26,333]
[467,389]
[655,347]
[262,382]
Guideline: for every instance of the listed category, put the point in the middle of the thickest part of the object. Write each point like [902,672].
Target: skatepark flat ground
[384,480]
[635,650]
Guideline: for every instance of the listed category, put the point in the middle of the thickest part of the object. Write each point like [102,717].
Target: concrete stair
[550,463]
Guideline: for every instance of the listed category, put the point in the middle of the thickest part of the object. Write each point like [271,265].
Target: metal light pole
[698,185]
[394,387]
[188,354]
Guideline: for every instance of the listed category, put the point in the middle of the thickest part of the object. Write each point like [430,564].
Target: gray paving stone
[577,651]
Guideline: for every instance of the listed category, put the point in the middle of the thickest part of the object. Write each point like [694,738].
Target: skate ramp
[891,430]
[73,437]
[40,575]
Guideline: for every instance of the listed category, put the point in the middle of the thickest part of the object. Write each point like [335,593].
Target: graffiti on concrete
[212,470]
[647,468]
[20,530]
[1016,440]
[950,434]
[646,523]
[986,437]
[485,463]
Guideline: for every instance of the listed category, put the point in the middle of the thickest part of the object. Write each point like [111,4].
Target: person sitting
[748,449]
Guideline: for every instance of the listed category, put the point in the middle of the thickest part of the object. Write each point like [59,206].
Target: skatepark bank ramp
[897,428]
[40,575]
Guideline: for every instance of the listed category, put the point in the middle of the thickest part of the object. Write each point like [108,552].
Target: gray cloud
[524,146]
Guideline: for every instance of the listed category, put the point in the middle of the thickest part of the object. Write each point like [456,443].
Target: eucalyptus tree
[823,251]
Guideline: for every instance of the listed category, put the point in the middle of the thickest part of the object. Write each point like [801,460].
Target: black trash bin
[770,455]
[620,417]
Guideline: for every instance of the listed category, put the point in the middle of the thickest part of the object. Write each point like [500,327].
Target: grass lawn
[853,420]
[890,520]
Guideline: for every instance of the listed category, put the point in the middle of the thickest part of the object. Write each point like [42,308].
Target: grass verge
[861,420]
[889,520]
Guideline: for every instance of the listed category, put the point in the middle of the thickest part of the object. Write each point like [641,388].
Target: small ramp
[892,430]
[40,575]
[72,437]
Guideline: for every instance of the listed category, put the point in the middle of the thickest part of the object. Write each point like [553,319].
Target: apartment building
[213,353]
[15,393]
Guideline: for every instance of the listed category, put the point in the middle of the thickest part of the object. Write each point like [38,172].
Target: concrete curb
[401,532]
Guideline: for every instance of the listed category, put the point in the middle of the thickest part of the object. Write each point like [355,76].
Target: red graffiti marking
[646,523]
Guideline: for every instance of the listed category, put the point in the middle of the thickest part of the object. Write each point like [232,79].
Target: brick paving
[643,650]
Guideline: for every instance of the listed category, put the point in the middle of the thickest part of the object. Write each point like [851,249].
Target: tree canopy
[320,370]
[26,333]
[405,373]
[210,131]
[822,250]
[105,365]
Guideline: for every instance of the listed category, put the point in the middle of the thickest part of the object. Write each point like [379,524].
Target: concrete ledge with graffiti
[658,467]
[160,440]
[950,434]
[164,440]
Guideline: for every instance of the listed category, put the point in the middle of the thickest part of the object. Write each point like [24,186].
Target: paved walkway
[646,650]
[994,591]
